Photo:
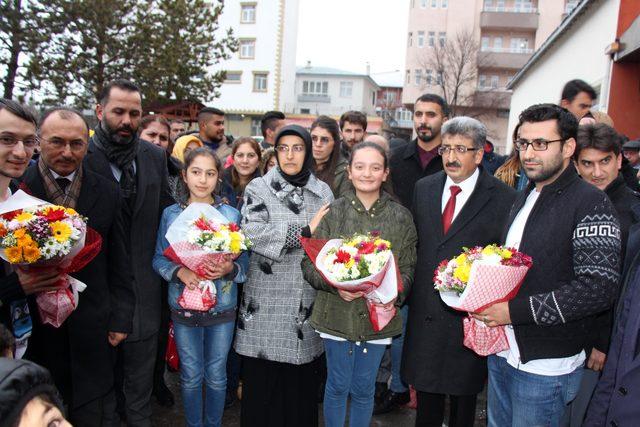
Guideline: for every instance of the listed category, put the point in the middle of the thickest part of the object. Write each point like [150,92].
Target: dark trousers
[163,336]
[99,412]
[136,361]
[279,394]
[430,410]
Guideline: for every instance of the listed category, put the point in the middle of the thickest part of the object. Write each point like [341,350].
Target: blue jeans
[397,386]
[521,399]
[351,371]
[203,356]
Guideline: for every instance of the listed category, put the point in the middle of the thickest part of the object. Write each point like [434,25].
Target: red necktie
[450,208]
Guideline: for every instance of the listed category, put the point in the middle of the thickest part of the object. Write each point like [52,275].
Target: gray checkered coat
[276,304]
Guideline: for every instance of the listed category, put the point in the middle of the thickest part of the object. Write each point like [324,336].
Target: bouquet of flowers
[198,237]
[477,278]
[361,263]
[35,234]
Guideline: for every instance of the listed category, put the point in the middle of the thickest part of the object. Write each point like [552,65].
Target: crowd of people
[279,335]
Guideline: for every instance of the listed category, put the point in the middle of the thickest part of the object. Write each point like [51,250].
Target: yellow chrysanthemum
[61,231]
[24,217]
[462,272]
[31,253]
[70,211]
[14,254]
[506,254]
[489,250]
[350,263]
[461,259]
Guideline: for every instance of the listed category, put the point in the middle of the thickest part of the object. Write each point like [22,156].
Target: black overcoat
[434,359]
[79,349]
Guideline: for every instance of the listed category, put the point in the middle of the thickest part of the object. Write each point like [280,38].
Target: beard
[426,137]
[113,133]
[546,172]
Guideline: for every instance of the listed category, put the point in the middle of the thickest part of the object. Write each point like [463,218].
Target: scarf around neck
[54,192]
[121,155]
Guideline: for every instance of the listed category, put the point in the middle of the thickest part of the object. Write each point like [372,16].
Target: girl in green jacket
[353,349]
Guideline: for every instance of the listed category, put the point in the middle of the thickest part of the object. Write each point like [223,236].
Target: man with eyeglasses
[79,353]
[462,206]
[571,231]
[17,143]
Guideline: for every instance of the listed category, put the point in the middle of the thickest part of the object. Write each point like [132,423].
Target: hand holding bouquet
[200,239]
[362,264]
[477,278]
[37,235]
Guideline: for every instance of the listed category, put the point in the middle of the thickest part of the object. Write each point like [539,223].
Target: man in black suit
[140,170]
[79,354]
[463,206]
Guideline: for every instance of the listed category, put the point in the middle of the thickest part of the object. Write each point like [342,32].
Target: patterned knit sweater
[573,236]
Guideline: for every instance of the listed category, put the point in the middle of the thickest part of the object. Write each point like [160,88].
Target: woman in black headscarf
[279,346]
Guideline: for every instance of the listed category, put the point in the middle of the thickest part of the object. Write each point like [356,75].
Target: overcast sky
[371,31]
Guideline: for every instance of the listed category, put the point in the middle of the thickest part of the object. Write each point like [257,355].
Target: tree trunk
[16,48]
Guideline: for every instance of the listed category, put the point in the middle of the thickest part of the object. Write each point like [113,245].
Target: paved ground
[173,417]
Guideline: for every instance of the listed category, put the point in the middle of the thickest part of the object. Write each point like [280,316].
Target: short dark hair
[567,124]
[172,121]
[355,117]
[373,145]
[269,120]
[573,87]
[22,111]
[6,341]
[598,136]
[435,99]
[123,84]
[64,112]
[150,118]
[207,112]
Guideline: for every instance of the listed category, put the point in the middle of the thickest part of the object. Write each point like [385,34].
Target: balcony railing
[520,9]
[507,50]
[525,19]
[306,97]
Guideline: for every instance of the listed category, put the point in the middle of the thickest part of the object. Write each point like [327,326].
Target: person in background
[280,348]
[6,342]
[28,397]
[246,156]
[353,127]
[331,166]
[177,128]
[211,132]
[577,97]
[491,160]
[598,159]
[270,124]
[353,349]
[203,339]
[378,139]
[511,172]
[156,130]
[631,151]
[269,160]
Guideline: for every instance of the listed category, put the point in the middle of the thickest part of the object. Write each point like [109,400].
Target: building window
[247,48]
[420,38]
[373,97]
[423,4]
[260,82]
[390,97]
[482,81]
[305,111]
[418,77]
[434,4]
[315,88]
[484,44]
[503,114]
[523,6]
[410,40]
[519,45]
[233,77]
[497,44]
[432,38]
[442,38]
[444,4]
[408,77]
[571,4]
[256,128]
[488,4]
[500,6]
[346,89]
[495,80]
[439,78]
[429,77]
[248,13]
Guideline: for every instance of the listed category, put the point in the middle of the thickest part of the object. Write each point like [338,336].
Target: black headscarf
[301,178]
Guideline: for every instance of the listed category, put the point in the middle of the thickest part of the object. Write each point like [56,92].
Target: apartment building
[506,34]
[261,74]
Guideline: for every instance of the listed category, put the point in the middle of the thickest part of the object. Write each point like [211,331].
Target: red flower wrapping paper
[488,285]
